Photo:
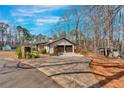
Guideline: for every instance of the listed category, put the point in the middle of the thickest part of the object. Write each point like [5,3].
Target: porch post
[64,48]
[73,48]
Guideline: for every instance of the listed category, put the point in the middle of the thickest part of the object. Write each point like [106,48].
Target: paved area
[68,71]
[13,77]
[72,54]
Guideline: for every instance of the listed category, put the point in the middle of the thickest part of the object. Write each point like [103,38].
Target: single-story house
[59,46]
[62,45]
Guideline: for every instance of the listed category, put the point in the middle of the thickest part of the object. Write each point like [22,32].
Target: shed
[25,48]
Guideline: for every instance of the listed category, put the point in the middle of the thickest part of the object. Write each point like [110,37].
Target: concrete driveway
[13,77]
[68,71]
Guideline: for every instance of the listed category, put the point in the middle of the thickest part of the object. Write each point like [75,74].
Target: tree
[108,13]
[24,35]
[91,27]
[77,15]
[19,29]
[3,30]
[66,18]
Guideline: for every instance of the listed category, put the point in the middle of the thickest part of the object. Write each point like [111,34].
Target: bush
[43,51]
[35,54]
[32,49]
[84,52]
[27,55]
[18,52]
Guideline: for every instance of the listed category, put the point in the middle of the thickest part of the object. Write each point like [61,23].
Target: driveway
[68,71]
[12,76]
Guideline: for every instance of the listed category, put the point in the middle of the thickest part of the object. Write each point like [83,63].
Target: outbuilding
[24,49]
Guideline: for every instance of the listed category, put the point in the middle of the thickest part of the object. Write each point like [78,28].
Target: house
[56,47]
[6,47]
[39,45]
[60,46]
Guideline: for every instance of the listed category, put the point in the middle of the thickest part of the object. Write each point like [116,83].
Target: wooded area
[17,35]
[91,27]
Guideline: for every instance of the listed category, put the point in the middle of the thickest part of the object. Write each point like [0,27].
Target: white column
[73,48]
[64,49]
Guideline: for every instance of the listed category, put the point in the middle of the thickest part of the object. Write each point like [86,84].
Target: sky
[37,19]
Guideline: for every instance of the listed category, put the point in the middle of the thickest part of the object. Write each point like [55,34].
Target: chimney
[50,40]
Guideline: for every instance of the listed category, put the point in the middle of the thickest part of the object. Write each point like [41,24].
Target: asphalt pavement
[12,76]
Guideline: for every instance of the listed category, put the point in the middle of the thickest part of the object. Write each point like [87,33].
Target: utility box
[116,53]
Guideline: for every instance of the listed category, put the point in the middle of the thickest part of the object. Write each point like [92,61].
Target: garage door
[60,48]
[68,48]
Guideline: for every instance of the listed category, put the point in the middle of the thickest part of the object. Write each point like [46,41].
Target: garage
[62,45]
[68,48]
[60,48]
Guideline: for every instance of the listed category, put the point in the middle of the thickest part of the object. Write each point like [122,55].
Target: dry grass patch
[8,54]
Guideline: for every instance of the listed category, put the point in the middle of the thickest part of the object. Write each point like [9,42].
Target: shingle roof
[59,40]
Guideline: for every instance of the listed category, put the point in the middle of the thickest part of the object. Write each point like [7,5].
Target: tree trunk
[2,37]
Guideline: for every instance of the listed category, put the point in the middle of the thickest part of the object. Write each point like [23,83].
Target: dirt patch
[11,55]
[110,72]
[8,54]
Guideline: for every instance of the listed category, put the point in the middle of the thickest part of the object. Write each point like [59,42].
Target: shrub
[32,49]
[27,55]
[18,52]
[43,51]
[35,54]
[84,52]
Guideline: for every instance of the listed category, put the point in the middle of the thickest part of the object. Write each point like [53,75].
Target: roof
[40,43]
[59,40]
